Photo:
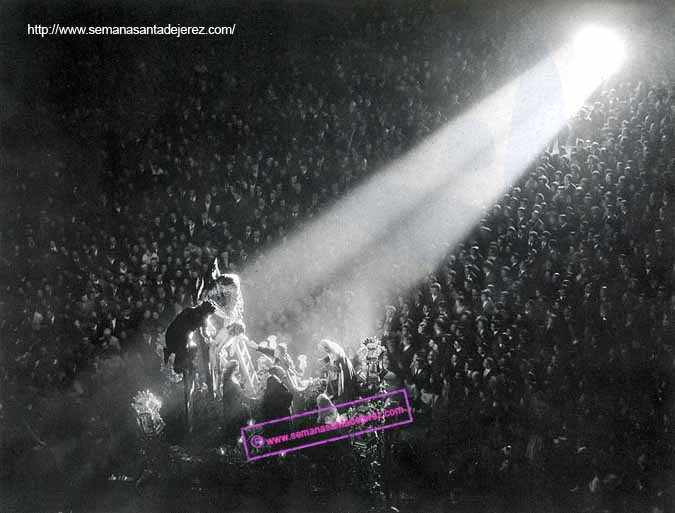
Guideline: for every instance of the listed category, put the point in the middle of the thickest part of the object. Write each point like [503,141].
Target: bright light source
[590,58]
[600,51]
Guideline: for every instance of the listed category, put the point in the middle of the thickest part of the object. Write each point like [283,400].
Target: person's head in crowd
[231,371]
[435,290]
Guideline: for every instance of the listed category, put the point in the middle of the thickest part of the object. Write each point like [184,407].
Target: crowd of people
[542,344]
[101,264]
[545,341]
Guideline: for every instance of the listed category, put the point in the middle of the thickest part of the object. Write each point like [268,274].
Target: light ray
[401,221]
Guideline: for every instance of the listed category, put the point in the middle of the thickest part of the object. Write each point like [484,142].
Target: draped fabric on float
[346,385]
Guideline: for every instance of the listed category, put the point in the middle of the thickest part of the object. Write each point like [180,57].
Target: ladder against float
[247,364]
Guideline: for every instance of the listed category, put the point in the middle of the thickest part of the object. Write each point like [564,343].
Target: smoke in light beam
[398,225]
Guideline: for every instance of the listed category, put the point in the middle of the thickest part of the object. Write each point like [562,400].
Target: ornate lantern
[147,405]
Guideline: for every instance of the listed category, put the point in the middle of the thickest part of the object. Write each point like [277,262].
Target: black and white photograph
[339,256]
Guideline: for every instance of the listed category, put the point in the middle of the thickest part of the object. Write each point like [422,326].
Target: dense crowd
[102,265]
[544,342]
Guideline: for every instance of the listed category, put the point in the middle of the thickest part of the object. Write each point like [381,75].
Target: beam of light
[402,221]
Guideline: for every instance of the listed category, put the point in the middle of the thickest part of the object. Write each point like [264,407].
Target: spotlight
[600,51]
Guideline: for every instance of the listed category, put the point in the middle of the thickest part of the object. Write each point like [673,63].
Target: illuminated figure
[342,381]
[230,342]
